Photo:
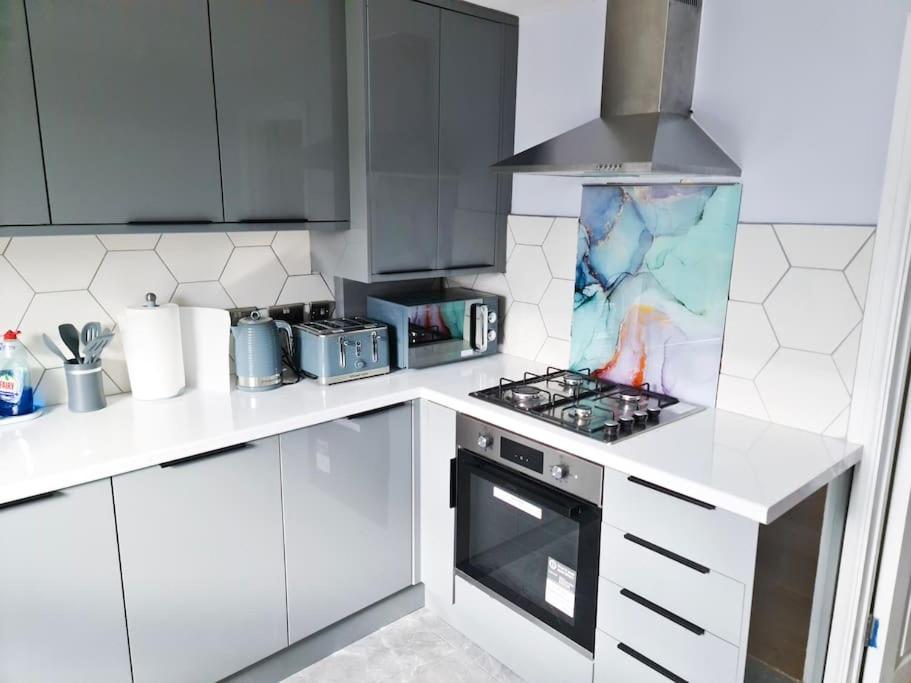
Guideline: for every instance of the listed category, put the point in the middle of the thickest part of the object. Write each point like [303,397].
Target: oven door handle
[525,488]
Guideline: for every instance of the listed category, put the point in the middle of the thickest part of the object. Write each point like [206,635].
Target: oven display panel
[522,455]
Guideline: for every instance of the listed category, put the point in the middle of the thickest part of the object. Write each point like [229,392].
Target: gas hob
[583,403]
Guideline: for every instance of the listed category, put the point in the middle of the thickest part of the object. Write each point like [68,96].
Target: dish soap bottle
[15,379]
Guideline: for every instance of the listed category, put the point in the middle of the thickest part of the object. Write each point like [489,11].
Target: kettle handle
[286,328]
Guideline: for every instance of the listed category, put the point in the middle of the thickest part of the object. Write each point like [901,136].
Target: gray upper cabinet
[61,604]
[471,67]
[126,101]
[347,495]
[23,199]
[431,107]
[202,561]
[403,128]
[281,92]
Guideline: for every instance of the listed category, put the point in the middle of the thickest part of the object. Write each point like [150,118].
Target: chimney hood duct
[646,94]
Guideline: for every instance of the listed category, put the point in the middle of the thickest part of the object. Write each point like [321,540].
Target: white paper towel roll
[154,351]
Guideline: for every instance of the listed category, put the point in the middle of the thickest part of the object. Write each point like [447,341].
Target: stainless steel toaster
[341,349]
[432,328]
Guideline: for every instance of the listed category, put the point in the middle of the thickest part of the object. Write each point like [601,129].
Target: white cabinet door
[437,533]
[347,496]
[203,570]
[61,604]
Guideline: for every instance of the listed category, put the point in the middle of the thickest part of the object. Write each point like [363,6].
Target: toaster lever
[375,346]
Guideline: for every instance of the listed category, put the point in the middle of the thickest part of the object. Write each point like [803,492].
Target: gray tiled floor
[416,649]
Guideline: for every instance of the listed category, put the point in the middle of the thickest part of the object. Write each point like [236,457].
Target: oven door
[534,546]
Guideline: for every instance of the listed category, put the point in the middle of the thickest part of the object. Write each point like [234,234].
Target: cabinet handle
[368,413]
[659,610]
[702,569]
[172,221]
[453,482]
[203,456]
[668,492]
[30,499]
[654,666]
[254,221]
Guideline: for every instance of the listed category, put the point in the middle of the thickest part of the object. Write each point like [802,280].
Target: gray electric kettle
[258,352]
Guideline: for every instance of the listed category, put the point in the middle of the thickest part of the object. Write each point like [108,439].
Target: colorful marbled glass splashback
[653,270]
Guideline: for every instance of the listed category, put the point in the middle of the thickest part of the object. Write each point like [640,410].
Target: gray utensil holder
[84,389]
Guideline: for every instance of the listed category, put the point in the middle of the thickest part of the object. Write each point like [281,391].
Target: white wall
[799,93]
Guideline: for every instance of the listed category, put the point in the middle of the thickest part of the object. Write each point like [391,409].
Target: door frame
[877,402]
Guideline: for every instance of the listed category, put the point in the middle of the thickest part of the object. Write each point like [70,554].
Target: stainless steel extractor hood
[647,91]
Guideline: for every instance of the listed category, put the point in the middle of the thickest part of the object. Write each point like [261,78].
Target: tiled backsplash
[45,281]
[793,321]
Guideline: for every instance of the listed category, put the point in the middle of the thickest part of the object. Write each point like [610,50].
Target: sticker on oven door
[560,589]
[517,502]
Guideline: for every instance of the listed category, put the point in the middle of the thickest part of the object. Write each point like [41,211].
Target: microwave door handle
[480,327]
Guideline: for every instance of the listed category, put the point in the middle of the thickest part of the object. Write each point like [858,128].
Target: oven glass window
[535,550]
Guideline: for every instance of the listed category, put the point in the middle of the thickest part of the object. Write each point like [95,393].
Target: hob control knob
[640,416]
[559,471]
[485,440]
[626,422]
[653,413]
[611,429]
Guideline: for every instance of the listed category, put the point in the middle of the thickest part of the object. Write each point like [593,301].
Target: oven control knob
[559,471]
[491,335]
[485,440]
[492,317]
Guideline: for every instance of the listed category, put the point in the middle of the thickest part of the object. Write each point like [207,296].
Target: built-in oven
[528,522]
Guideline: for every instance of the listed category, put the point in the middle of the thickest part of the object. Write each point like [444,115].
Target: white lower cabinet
[203,563]
[61,604]
[347,497]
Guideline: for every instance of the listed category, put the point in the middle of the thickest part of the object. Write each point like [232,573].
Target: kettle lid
[255,318]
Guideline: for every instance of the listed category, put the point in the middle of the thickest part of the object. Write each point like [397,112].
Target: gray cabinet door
[127,109]
[23,199]
[471,68]
[347,495]
[61,604]
[403,55]
[203,571]
[281,90]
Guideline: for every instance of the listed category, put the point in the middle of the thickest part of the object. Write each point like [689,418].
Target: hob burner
[581,416]
[526,396]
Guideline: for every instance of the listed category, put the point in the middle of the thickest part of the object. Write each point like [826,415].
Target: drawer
[691,653]
[696,593]
[616,663]
[714,538]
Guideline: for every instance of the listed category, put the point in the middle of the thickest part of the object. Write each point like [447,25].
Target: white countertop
[752,468]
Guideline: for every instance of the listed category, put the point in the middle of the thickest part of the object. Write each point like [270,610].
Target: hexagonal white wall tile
[839,427]
[125,276]
[740,395]
[48,310]
[135,242]
[802,389]
[524,332]
[554,353]
[845,357]
[530,229]
[15,295]
[209,294]
[495,283]
[293,250]
[54,264]
[759,263]
[304,289]
[510,242]
[858,272]
[560,248]
[195,257]
[527,274]
[812,310]
[461,281]
[253,276]
[822,246]
[748,340]
[4,241]
[252,238]
[114,362]
[557,308]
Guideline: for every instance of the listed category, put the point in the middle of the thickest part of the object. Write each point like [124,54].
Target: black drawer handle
[30,499]
[658,609]
[668,492]
[375,411]
[254,221]
[667,553]
[654,666]
[172,221]
[202,456]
